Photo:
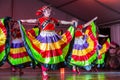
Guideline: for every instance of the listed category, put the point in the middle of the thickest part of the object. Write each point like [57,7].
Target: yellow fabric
[103,50]
[2,37]
[17,50]
[84,51]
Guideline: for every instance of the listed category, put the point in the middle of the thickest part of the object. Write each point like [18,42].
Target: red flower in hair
[39,12]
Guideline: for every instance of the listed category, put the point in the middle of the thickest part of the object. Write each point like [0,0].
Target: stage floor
[63,74]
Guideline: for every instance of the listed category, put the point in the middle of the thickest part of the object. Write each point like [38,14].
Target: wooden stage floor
[63,74]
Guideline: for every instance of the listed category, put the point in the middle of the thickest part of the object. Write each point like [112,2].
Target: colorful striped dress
[48,48]
[101,53]
[18,56]
[84,48]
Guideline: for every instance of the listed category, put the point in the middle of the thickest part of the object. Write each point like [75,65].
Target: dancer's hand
[88,23]
[95,18]
[74,23]
[22,20]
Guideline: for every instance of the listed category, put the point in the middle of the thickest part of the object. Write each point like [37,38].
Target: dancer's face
[47,12]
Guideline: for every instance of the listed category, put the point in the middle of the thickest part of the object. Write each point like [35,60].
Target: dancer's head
[45,10]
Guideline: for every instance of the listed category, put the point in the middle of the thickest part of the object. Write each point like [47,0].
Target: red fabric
[3,28]
[78,33]
[38,13]
[100,57]
[18,55]
[32,32]
[50,25]
[80,26]
[2,47]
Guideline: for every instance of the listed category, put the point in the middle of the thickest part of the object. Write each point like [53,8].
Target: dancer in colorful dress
[18,56]
[49,49]
[84,47]
[101,50]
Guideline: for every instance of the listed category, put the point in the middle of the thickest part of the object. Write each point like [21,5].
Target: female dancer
[102,49]
[84,47]
[18,56]
[49,49]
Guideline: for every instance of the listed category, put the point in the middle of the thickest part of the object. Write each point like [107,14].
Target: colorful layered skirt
[84,49]
[48,48]
[4,40]
[18,55]
[102,51]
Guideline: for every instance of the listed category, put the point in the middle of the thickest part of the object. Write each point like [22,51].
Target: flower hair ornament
[39,11]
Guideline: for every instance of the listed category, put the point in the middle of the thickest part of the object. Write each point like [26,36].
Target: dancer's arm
[73,22]
[88,23]
[100,35]
[30,20]
[65,22]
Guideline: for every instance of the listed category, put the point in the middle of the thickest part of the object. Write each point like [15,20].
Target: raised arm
[88,23]
[100,35]
[73,22]
[65,22]
[30,20]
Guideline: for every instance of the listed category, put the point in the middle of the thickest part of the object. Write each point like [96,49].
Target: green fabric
[93,28]
[19,60]
[2,55]
[36,31]
[101,61]
[2,20]
[108,40]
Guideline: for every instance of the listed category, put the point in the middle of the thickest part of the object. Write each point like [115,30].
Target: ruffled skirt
[3,38]
[18,55]
[48,49]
